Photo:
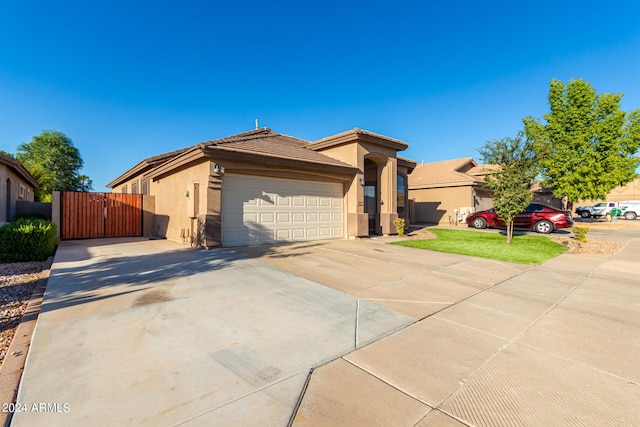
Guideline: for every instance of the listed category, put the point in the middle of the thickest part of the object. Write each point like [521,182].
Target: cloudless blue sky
[131,79]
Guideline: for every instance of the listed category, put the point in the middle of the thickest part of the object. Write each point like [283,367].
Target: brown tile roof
[19,169]
[146,165]
[358,134]
[265,142]
[463,171]
[482,170]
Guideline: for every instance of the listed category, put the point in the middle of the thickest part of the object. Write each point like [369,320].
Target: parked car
[629,209]
[541,218]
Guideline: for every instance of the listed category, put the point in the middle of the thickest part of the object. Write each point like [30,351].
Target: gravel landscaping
[17,282]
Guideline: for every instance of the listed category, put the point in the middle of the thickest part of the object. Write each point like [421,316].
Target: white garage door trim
[258,210]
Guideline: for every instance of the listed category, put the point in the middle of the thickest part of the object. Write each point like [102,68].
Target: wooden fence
[96,215]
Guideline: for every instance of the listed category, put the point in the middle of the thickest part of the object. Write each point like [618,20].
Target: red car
[541,218]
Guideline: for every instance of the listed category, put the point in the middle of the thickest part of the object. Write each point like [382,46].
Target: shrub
[580,232]
[399,223]
[27,240]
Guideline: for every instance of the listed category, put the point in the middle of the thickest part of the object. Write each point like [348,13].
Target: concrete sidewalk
[557,344]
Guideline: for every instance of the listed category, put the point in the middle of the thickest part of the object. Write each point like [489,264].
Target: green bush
[580,232]
[27,240]
[399,223]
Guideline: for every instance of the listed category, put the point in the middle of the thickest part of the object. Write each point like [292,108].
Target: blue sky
[131,79]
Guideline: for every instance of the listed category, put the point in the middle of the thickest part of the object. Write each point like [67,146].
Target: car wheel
[544,227]
[479,223]
[585,214]
[630,215]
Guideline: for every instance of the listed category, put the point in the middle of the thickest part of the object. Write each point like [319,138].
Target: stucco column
[210,223]
[357,220]
[388,200]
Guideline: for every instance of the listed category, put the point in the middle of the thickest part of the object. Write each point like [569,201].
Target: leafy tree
[511,183]
[587,145]
[85,183]
[53,161]
[7,154]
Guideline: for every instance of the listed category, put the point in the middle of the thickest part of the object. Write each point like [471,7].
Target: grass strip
[524,249]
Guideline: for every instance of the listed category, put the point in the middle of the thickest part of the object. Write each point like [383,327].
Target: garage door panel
[283,217]
[325,216]
[326,232]
[250,217]
[263,210]
[267,218]
[283,234]
[283,201]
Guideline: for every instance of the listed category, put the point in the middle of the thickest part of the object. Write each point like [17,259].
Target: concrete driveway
[148,333]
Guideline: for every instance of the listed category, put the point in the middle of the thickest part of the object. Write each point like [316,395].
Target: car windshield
[600,205]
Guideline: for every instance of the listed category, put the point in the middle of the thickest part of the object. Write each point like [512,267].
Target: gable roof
[358,134]
[448,173]
[146,165]
[257,145]
[19,169]
[265,142]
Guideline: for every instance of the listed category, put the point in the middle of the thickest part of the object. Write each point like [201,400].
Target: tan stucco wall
[436,205]
[173,217]
[16,181]
[355,154]
[631,191]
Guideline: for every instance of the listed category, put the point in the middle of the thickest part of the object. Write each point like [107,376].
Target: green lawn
[524,249]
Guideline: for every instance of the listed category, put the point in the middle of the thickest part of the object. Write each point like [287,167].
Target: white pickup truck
[629,209]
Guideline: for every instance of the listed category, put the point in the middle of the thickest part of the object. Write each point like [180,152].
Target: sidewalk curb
[13,364]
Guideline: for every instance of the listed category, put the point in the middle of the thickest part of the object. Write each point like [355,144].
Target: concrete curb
[13,365]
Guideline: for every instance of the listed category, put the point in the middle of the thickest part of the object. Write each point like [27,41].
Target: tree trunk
[509,232]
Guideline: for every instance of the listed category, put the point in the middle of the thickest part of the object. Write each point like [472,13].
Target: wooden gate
[96,215]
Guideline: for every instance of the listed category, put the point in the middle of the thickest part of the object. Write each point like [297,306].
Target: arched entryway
[373,165]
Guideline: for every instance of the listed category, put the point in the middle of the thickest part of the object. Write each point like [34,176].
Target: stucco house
[445,192]
[262,186]
[629,191]
[16,184]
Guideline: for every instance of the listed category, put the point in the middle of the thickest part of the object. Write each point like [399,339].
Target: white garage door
[265,210]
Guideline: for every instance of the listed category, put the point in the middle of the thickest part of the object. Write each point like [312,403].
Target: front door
[371,207]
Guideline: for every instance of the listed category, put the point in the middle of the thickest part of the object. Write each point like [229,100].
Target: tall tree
[511,183]
[53,161]
[587,145]
[85,183]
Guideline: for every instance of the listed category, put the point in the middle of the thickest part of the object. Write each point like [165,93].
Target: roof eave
[358,135]
[20,170]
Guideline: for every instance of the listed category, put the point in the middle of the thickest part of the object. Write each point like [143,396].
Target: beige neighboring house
[263,187]
[16,184]
[631,191]
[446,192]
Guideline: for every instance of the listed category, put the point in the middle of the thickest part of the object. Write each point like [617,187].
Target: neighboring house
[545,196]
[631,191]
[446,192]
[16,184]
[261,187]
